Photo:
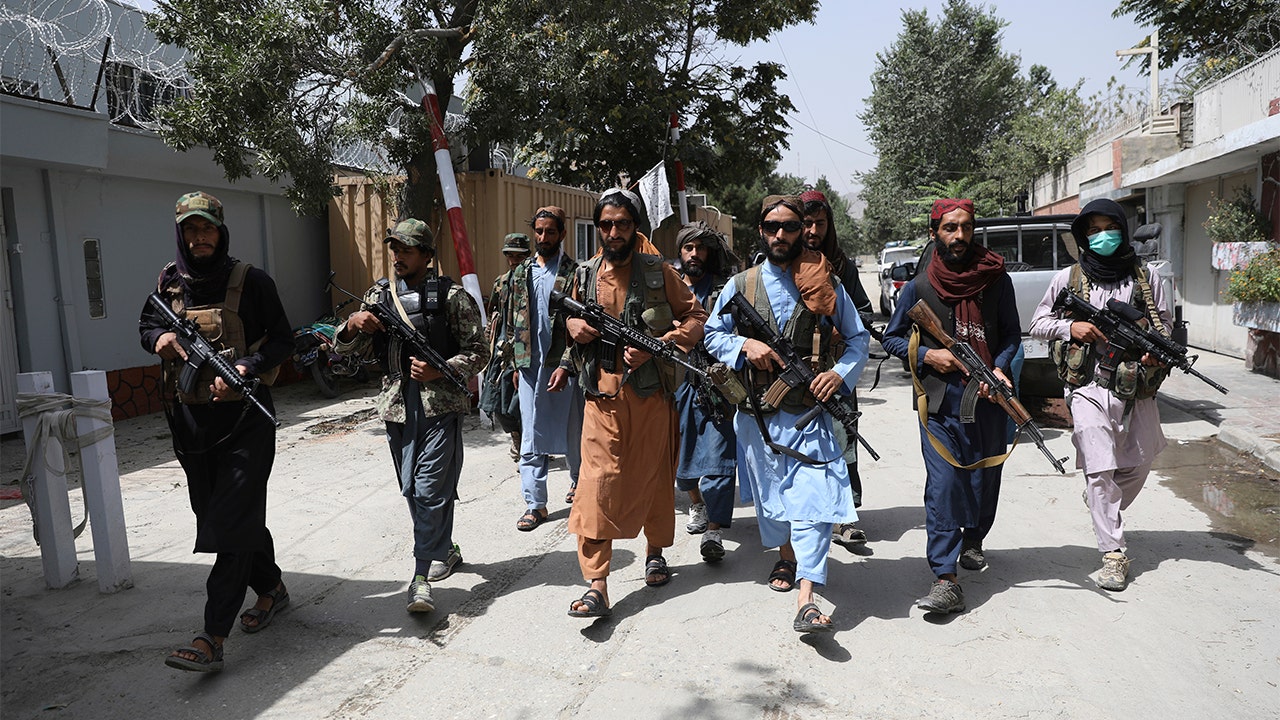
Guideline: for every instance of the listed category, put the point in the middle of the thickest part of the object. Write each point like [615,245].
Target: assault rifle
[200,352]
[613,331]
[1126,339]
[979,373]
[795,371]
[404,331]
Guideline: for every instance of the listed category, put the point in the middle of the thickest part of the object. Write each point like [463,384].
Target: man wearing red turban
[967,287]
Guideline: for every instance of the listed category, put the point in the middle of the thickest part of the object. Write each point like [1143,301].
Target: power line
[809,110]
[834,140]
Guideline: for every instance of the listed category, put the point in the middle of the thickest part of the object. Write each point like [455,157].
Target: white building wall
[1208,313]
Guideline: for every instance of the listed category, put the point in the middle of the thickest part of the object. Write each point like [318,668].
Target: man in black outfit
[225,446]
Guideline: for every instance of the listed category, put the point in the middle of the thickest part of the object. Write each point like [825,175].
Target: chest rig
[221,325]
[645,308]
[810,334]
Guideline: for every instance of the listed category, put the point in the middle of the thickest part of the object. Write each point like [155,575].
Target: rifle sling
[922,406]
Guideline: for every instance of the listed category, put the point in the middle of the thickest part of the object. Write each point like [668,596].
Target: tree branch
[399,42]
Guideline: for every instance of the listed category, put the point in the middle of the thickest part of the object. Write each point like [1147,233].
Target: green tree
[283,87]
[1198,30]
[949,105]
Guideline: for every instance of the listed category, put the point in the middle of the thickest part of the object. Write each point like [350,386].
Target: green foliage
[949,105]
[1236,220]
[743,202]
[585,93]
[1257,281]
[1213,30]
[283,87]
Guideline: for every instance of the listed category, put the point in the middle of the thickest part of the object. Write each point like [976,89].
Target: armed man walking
[967,288]
[422,404]
[498,395]
[1116,418]
[550,401]
[820,236]
[630,428]
[708,445]
[796,476]
[225,447]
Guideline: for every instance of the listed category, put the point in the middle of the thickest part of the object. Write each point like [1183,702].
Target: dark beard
[782,258]
[617,256]
[952,259]
[694,271]
[550,252]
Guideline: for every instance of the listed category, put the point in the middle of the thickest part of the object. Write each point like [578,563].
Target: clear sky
[829,66]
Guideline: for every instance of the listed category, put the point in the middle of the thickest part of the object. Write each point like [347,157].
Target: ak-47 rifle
[795,371]
[613,331]
[1126,339]
[419,346]
[201,353]
[999,393]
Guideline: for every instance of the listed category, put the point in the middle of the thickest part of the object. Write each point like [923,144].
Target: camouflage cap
[413,233]
[199,203]
[515,243]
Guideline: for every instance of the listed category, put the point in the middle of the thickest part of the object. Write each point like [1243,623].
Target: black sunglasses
[623,225]
[771,227]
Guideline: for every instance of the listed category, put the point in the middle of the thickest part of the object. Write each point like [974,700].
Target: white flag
[657,195]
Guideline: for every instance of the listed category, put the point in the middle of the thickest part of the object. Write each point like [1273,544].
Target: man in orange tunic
[630,429]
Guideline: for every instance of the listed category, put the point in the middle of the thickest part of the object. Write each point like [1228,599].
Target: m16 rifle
[385,311]
[795,371]
[201,353]
[1126,338]
[999,393]
[613,331]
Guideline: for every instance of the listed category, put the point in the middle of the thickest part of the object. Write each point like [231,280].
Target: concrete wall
[121,191]
[1208,314]
[1242,98]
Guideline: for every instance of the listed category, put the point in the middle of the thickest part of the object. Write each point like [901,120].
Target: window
[584,239]
[1003,241]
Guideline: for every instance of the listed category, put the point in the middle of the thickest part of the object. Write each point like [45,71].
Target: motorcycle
[313,352]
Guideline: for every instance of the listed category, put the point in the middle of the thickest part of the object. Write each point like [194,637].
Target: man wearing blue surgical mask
[1116,420]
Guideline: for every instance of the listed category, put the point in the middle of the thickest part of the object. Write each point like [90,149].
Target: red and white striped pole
[680,195]
[452,201]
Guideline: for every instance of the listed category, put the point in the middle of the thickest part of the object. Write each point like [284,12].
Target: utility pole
[1152,50]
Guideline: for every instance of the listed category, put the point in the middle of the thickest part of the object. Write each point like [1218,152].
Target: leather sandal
[262,618]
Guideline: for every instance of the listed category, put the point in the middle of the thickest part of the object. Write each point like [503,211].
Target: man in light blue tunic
[796,501]
[550,401]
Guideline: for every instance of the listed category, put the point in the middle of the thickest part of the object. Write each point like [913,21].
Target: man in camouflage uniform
[422,410]
[498,395]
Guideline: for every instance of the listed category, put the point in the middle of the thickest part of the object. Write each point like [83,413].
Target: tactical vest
[645,308]
[220,324]
[988,300]
[427,309]
[1075,361]
[805,331]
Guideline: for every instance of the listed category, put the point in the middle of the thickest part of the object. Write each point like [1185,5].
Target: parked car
[897,265]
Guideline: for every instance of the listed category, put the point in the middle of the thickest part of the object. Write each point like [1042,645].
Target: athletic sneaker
[697,519]
[441,570]
[420,596]
[1115,571]
[712,546]
[971,556]
[944,597]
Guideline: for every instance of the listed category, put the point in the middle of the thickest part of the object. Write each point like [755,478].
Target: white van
[890,258]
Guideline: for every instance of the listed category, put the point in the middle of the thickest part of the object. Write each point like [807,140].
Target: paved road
[1194,636]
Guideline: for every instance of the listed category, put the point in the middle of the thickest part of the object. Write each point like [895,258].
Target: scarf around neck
[963,288]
